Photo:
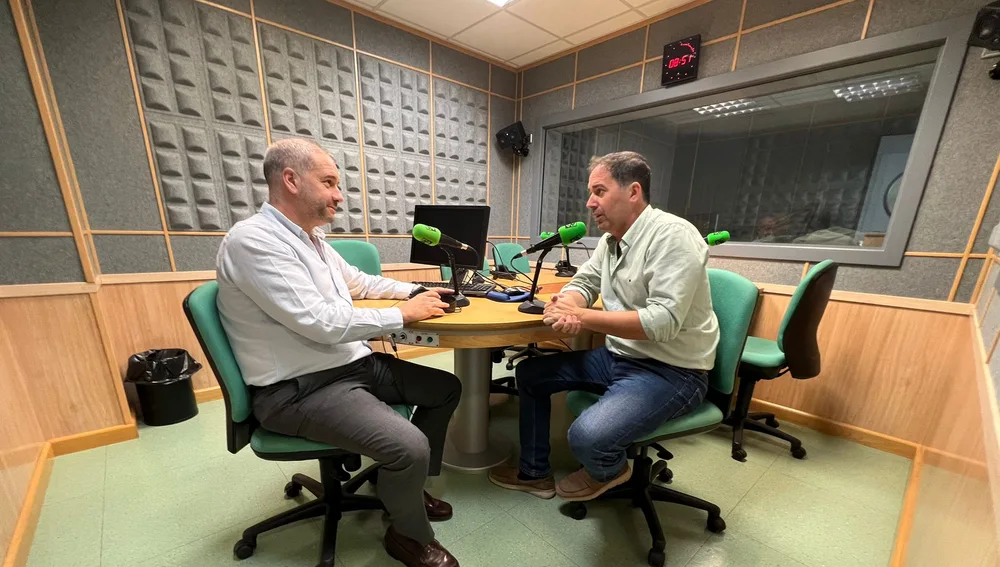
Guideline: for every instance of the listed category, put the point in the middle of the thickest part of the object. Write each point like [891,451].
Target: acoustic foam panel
[238,5]
[501,169]
[970,276]
[396,184]
[609,87]
[194,253]
[760,271]
[927,278]
[27,260]
[716,59]
[712,20]
[894,15]
[764,11]
[392,43]
[611,54]
[461,143]
[460,67]
[817,31]
[24,153]
[315,17]
[503,82]
[86,59]
[120,254]
[549,75]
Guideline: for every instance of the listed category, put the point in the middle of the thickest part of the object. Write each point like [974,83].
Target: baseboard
[27,519]
[92,439]
[208,394]
[956,463]
[906,515]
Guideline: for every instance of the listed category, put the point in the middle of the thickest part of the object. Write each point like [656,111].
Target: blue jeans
[637,397]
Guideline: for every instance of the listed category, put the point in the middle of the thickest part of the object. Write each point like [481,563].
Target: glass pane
[816,159]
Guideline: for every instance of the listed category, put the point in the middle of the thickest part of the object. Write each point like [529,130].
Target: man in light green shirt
[650,272]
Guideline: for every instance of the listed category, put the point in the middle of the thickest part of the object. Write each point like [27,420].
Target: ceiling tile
[443,17]
[657,7]
[541,53]
[565,17]
[605,27]
[504,36]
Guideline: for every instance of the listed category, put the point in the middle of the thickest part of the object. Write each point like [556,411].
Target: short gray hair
[625,168]
[296,153]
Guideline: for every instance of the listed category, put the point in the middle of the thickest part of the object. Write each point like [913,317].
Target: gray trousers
[348,407]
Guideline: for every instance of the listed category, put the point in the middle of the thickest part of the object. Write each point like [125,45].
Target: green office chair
[796,351]
[484,271]
[734,299]
[505,252]
[360,254]
[332,497]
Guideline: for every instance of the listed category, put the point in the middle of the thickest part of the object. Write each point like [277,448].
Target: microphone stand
[531,305]
[565,267]
[460,300]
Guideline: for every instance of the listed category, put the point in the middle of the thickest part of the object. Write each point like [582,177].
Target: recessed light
[868,90]
[500,3]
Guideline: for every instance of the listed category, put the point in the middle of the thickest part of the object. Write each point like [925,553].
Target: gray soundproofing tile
[311,88]
[501,170]
[611,54]
[460,67]
[549,75]
[28,260]
[764,11]
[316,17]
[195,253]
[461,139]
[926,278]
[970,276]
[238,5]
[533,109]
[392,250]
[395,107]
[391,42]
[712,20]
[988,291]
[716,59]
[24,153]
[828,28]
[396,184]
[119,254]
[503,82]
[89,69]
[760,271]
[962,166]
[895,15]
[609,87]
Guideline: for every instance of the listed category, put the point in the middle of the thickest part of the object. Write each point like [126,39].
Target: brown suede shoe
[581,487]
[412,554]
[437,510]
[505,476]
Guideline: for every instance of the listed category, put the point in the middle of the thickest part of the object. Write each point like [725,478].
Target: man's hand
[569,324]
[423,306]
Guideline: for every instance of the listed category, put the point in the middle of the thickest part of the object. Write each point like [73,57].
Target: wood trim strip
[226,8]
[982,278]
[260,72]
[868,19]
[36,234]
[155,277]
[906,515]
[433,126]
[145,134]
[911,303]
[299,32]
[92,439]
[805,270]
[40,290]
[103,232]
[975,229]
[361,133]
[209,394]
[576,67]
[645,50]
[917,254]
[113,371]
[799,15]
[956,463]
[739,35]
[490,140]
[993,347]
[31,508]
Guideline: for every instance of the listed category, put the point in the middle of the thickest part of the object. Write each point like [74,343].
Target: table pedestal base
[497,451]
[470,445]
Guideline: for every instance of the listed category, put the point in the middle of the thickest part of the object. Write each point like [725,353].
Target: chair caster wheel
[656,558]
[771,422]
[716,524]
[292,489]
[510,366]
[799,452]
[739,455]
[244,549]
[665,476]
[576,510]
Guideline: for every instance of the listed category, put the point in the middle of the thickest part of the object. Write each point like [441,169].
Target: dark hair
[625,168]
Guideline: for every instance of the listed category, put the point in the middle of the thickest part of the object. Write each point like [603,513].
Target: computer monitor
[465,223]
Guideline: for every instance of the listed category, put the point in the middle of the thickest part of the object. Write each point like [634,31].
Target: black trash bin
[162,380]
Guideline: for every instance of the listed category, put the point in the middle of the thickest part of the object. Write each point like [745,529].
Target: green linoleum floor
[176,497]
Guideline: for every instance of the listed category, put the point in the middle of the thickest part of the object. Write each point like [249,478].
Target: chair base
[742,418]
[641,491]
[332,500]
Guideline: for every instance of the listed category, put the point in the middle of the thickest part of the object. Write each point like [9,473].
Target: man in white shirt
[285,299]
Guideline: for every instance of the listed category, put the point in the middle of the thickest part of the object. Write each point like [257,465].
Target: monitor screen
[465,223]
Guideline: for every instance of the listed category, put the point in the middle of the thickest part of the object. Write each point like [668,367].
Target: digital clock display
[680,60]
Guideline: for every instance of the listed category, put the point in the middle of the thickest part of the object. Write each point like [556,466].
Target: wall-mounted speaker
[515,138]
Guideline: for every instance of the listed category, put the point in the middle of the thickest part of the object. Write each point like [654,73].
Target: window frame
[950,36]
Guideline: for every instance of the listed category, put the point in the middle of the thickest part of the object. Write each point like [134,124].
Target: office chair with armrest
[796,351]
[484,271]
[734,299]
[360,254]
[335,491]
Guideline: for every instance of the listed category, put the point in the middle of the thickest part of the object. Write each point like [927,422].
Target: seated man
[285,298]
[650,272]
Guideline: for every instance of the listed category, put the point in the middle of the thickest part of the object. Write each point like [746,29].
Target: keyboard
[469,289]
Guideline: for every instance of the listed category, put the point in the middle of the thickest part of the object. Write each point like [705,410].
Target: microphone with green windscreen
[716,238]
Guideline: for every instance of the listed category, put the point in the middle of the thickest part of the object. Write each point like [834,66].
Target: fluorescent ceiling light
[729,108]
[879,88]
[500,3]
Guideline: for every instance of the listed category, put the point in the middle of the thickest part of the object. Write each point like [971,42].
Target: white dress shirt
[285,300]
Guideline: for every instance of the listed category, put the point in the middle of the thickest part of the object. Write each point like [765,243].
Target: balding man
[286,302]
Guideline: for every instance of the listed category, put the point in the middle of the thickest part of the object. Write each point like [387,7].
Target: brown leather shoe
[581,487]
[505,476]
[412,554]
[437,510]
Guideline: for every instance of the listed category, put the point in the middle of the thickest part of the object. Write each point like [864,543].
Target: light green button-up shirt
[661,272]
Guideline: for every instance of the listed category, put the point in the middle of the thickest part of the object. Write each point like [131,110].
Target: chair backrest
[734,299]
[484,271]
[360,254]
[203,315]
[797,334]
[505,251]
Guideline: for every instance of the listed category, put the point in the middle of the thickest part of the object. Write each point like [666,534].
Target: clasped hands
[563,315]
